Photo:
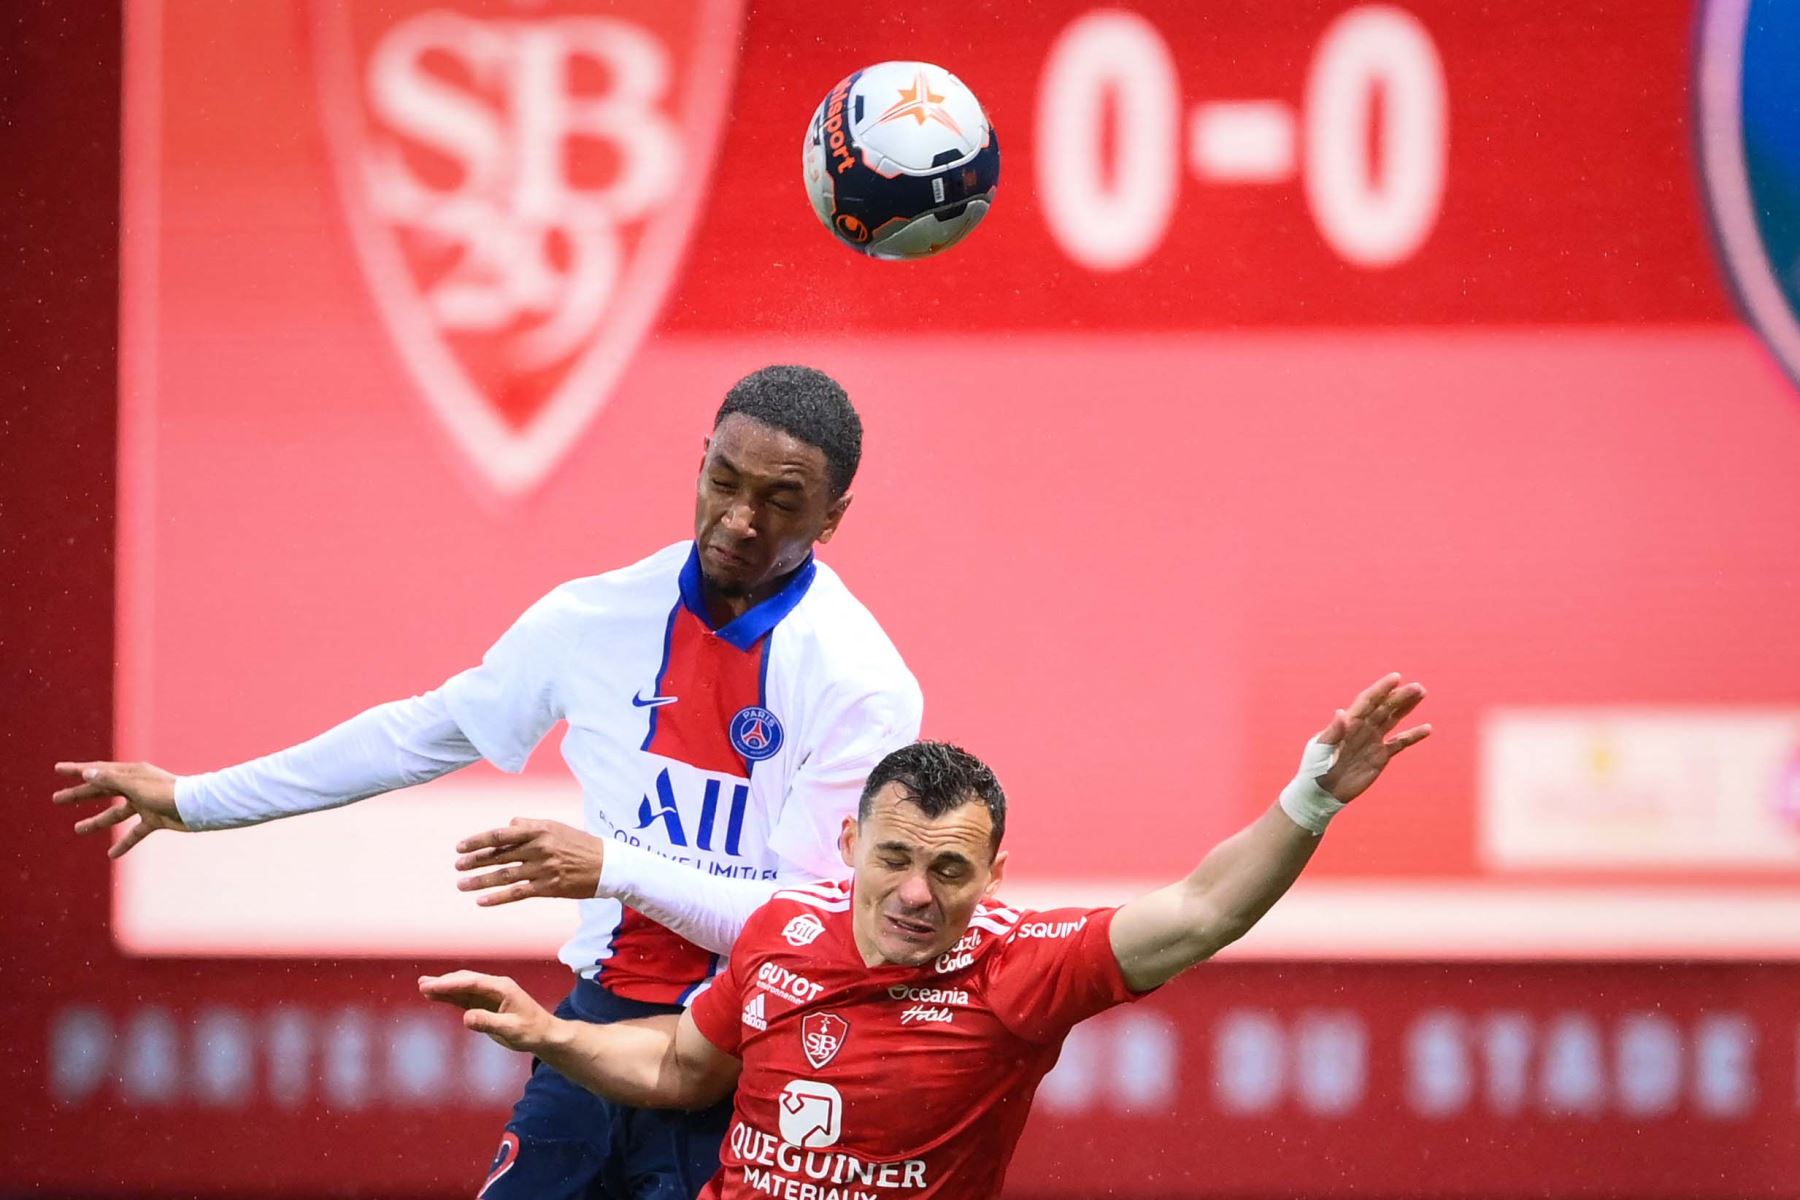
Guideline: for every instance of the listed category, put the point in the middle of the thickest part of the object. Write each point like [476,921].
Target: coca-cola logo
[520,180]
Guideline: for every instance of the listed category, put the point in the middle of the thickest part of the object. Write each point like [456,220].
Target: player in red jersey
[886,1036]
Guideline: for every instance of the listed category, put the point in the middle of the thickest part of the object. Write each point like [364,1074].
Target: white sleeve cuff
[708,910]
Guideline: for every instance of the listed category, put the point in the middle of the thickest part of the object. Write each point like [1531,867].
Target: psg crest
[1749,91]
[520,181]
[756,733]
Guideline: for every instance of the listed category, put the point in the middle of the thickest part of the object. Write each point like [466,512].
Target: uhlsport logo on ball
[900,160]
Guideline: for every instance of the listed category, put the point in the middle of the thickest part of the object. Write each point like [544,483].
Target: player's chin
[729,583]
[730,570]
[898,954]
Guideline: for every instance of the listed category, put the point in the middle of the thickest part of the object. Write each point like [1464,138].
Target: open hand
[1360,734]
[547,858]
[492,1004]
[144,791]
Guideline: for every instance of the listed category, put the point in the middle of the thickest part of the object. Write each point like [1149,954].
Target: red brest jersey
[893,1083]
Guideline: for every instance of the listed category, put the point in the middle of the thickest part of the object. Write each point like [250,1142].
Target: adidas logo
[754,1016]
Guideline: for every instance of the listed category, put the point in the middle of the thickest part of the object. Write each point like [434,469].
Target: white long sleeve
[390,746]
[708,910]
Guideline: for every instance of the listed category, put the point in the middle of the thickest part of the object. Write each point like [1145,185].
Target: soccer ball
[900,160]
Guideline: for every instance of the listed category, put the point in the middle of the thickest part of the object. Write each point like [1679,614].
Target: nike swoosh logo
[654,701]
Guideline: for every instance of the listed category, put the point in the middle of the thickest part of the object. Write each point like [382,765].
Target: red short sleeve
[1055,970]
[717,1010]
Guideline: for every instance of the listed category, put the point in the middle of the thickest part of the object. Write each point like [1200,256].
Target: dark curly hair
[939,778]
[806,404]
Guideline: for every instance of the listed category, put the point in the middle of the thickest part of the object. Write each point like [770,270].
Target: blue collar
[744,631]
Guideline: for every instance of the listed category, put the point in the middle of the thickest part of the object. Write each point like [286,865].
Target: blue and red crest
[755,733]
[1748,93]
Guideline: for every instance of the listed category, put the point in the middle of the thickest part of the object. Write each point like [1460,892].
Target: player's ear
[996,872]
[833,515]
[847,842]
[705,449]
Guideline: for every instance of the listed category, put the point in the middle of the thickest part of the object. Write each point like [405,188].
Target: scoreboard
[1303,344]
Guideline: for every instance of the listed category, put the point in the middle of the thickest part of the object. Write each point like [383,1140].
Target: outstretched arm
[389,746]
[1158,936]
[498,711]
[653,1062]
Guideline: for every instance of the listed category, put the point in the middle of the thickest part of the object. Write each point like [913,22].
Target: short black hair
[939,778]
[807,404]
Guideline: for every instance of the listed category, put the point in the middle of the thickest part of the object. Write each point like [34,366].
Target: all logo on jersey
[803,930]
[520,182]
[1750,157]
[811,1114]
[756,734]
[822,1035]
[720,824]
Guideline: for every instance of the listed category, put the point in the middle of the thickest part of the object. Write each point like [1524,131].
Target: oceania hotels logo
[929,1005]
[929,995]
[520,180]
[1748,91]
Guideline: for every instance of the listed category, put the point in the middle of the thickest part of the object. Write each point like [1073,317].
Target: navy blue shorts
[564,1141]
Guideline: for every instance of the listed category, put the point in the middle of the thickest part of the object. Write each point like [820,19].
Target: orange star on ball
[921,104]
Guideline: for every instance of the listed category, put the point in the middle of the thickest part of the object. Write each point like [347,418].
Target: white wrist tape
[1309,805]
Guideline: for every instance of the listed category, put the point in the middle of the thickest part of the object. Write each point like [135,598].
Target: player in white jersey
[725,699]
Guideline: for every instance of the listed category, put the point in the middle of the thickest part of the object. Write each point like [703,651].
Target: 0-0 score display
[1369,140]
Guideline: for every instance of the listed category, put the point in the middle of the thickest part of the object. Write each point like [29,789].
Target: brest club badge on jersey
[520,181]
[755,733]
[1748,93]
[822,1035]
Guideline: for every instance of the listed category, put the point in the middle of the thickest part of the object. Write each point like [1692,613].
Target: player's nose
[915,891]
[739,520]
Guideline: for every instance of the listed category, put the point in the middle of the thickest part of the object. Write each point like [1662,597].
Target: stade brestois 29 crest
[520,182]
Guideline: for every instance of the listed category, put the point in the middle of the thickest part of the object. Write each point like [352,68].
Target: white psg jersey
[737,751]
